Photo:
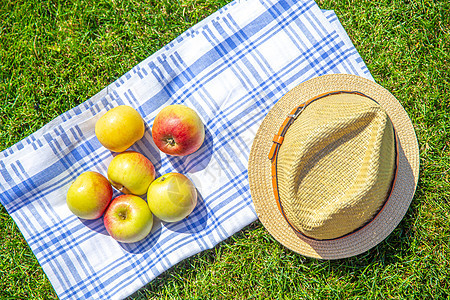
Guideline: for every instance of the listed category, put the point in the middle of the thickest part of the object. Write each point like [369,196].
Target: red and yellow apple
[131,173]
[178,130]
[89,195]
[119,128]
[128,219]
[172,197]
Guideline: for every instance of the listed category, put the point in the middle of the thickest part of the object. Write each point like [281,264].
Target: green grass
[55,55]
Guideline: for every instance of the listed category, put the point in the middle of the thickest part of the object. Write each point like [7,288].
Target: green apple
[128,219]
[119,128]
[89,195]
[172,197]
[131,173]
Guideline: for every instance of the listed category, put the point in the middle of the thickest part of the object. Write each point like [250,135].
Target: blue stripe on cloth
[231,68]
[5,174]
[157,256]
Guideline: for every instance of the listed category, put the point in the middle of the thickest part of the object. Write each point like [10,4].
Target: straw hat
[334,166]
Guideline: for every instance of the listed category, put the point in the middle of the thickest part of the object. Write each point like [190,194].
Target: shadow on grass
[394,249]
[267,256]
[378,233]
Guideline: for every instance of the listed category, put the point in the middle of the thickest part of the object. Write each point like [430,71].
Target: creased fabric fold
[231,68]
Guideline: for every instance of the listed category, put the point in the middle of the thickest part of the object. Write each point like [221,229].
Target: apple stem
[123,215]
[170,141]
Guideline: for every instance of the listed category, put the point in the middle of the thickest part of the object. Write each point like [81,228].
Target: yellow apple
[119,128]
[131,173]
[172,197]
[128,219]
[89,195]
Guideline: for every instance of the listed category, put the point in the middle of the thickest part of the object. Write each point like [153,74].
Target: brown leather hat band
[278,141]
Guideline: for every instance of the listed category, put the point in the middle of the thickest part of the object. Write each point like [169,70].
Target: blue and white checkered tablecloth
[231,68]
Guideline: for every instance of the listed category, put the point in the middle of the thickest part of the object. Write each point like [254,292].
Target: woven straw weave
[407,173]
[336,165]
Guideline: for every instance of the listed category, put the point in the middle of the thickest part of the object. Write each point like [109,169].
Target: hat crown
[336,165]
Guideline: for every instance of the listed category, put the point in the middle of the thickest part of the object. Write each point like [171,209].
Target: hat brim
[259,170]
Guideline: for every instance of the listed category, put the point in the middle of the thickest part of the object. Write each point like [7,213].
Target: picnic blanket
[231,68]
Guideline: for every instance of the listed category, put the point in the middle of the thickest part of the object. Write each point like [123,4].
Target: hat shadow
[389,252]
[397,243]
